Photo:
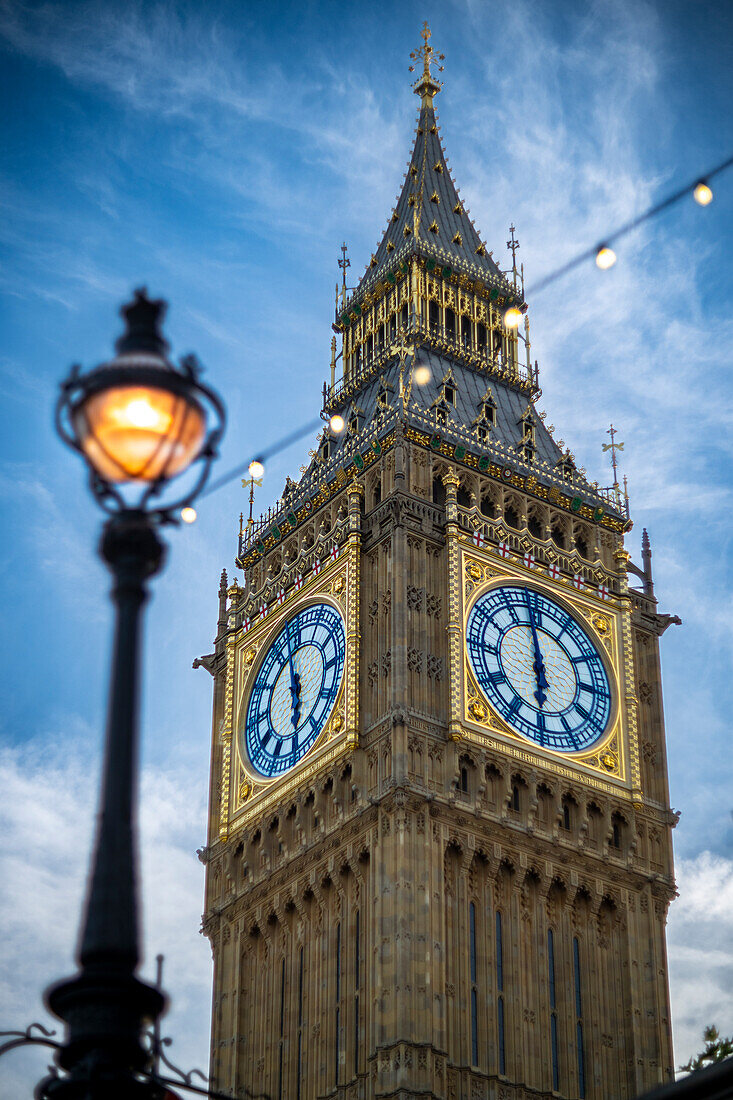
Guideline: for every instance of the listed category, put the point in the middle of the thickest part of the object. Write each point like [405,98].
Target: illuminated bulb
[188,515]
[605,257]
[139,432]
[422,375]
[512,317]
[702,194]
[337,423]
[256,469]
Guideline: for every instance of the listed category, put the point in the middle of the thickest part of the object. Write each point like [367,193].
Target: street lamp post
[138,421]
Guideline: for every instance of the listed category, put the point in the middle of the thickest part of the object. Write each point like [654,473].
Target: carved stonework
[645,693]
[414,660]
[435,667]
[414,597]
[417,857]
[433,605]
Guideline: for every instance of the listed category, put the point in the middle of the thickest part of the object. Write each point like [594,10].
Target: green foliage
[716,1050]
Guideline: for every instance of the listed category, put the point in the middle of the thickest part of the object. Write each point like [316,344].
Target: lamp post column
[138,422]
[105,1006]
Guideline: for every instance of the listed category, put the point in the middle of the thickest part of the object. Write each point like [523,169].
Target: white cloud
[700,948]
[45,817]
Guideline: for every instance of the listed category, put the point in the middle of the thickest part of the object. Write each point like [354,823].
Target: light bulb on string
[337,423]
[188,515]
[421,375]
[512,317]
[605,257]
[256,469]
[702,194]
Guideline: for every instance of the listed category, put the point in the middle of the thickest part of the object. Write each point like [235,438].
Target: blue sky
[219,154]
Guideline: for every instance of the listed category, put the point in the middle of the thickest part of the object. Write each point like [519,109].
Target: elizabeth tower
[439,855]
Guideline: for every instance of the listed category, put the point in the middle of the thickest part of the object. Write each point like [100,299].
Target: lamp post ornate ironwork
[138,421]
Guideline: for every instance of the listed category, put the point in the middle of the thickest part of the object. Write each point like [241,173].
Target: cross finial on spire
[513,244]
[613,447]
[343,263]
[250,482]
[427,86]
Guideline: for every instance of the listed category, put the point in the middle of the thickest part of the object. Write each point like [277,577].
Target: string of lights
[603,255]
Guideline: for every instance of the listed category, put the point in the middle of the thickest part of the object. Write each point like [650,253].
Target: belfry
[439,858]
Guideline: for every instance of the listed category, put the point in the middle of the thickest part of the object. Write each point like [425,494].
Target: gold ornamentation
[474,571]
[609,761]
[601,623]
[245,790]
[338,724]
[249,656]
[338,585]
[478,710]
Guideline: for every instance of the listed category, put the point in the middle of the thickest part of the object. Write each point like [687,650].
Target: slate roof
[470,388]
[429,215]
[502,446]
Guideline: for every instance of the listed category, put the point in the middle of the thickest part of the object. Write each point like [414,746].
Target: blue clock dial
[295,689]
[539,668]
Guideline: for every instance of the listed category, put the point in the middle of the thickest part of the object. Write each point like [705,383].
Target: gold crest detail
[245,790]
[250,656]
[474,571]
[478,710]
[338,585]
[600,622]
[609,761]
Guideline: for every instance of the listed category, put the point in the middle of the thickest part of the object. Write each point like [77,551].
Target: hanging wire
[623,230]
[582,257]
[260,456]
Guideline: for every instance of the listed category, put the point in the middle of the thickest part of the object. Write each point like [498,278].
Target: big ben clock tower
[439,854]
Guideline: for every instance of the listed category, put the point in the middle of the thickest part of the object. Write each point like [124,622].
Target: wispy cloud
[46,818]
[700,935]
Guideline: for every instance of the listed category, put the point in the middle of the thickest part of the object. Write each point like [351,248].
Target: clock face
[539,668]
[295,689]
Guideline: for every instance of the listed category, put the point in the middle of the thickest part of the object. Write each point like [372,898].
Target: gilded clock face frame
[568,703]
[294,689]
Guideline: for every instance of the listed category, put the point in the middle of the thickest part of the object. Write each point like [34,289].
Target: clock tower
[439,853]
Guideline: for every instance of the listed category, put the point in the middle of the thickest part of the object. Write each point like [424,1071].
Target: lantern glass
[139,433]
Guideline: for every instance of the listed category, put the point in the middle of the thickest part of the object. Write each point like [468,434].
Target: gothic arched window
[500,993]
[511,517]
[534,526]
[488,507]
[553,1009]
[558,535]
[474,984]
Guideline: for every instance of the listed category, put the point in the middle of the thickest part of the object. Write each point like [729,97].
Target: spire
[429,217]
[426,87]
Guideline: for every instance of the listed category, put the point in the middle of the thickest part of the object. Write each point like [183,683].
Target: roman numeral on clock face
[538,667]
[299,681]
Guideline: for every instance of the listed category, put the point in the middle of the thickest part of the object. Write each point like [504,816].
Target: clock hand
[294,682]
[539,665]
